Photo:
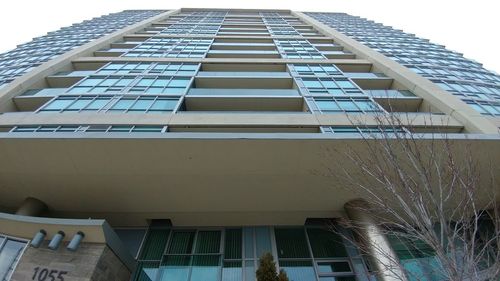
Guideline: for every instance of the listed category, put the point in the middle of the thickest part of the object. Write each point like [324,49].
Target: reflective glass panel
[337,266]
[232,271]
[146,271]
[59,104]
[8,255]
[205,268]
[325,243]
[175,268]
[263,241]
[298,270]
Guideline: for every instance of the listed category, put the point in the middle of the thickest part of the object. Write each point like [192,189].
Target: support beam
[384,258]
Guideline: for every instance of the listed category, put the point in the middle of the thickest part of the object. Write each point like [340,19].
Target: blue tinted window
[59,104]
[123,104]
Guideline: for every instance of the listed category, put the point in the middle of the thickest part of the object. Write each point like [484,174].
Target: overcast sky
[469,27]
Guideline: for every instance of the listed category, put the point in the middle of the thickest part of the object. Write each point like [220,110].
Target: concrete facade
[257,104]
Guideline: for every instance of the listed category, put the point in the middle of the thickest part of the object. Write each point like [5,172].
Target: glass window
[155,243]
[232,271]
[329,84]
[142,104]
[47,129]
[145,82]
[249,270]
[367,105]
[59,104]
[192,256]
[79,104]
[173,91]
[298,270]
[325,243]
[96,129]
[417,258]
[124,82]
[79,90]
[338,278]
[146,270]
[22,129]
[327,105]
[164,105]
[291,243]
[67,128]
[9,254]
[98,89]
[123,104]
[205,268]
[312,84]
[154,90]
[182,242]
[122,129]
[347,105]
[331,68]
[263,241]
[98,103]
[179,82]
[248,236]
[336,92]
[175,268]
[190,67]
[90,82]
[141,129]
[334,266]
[300,68]
[109,82]
[345,84]
[233,244]
[208,242]
[161,82]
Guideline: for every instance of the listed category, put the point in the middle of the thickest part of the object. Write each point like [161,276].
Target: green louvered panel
[208,242]
[291,243]
[326,244]
[154,245]
[182,242]
[233,246]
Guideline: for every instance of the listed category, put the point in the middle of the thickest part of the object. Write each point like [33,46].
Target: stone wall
[91,262]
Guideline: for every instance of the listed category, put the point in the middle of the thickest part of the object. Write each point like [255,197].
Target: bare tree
[429,193]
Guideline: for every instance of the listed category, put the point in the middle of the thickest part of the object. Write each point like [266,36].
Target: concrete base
[91,262]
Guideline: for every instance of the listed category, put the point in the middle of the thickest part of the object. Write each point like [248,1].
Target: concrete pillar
[384,258]
[31,207]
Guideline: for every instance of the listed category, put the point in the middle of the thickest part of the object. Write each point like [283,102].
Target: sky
[468,27]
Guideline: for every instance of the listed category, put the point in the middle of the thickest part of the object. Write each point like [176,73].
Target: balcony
[242,46]
[396,100]
[248,104]
[370,80]
[243,54]
[217,92]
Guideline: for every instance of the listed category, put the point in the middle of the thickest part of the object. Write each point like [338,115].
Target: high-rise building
[181,145]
